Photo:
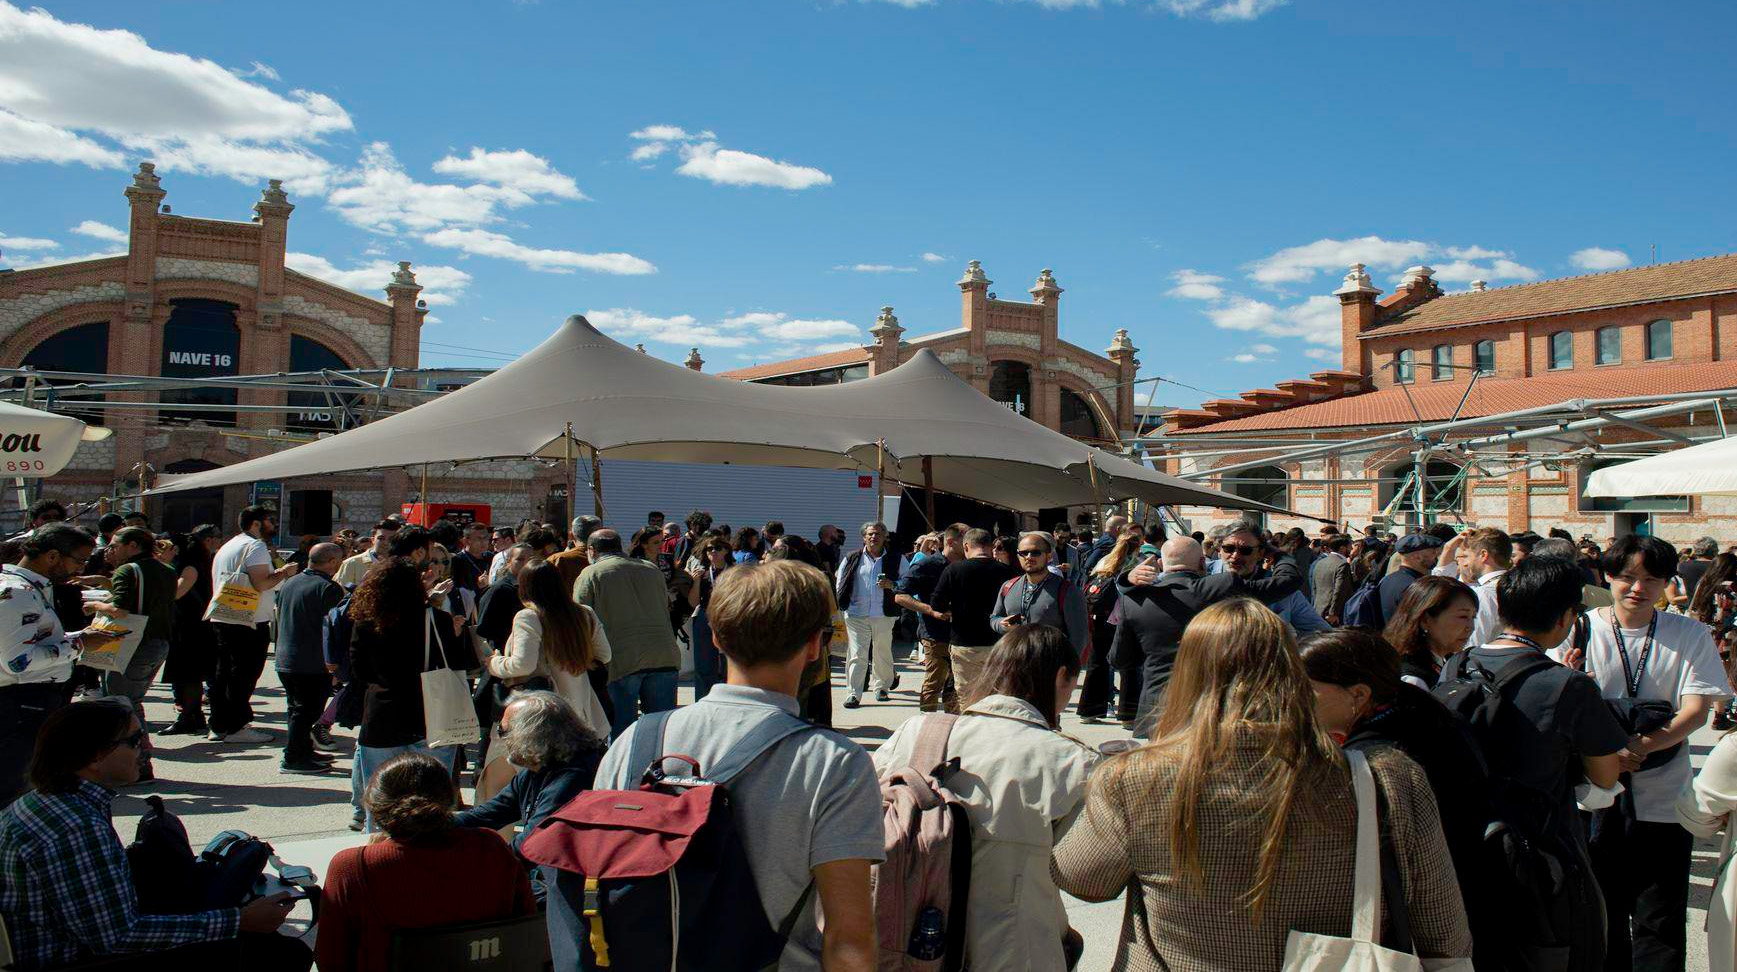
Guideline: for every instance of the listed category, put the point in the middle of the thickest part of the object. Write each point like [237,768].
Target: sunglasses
[133,741]
[1032,553]
[1235,548]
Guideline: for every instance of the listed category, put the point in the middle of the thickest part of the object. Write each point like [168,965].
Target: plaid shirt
[66,892]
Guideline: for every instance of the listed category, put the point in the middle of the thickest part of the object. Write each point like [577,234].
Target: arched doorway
[1443,485]
[183,511]
[1010,384]
[1078,419]
[315,411]
[200,340]
[1263,484]
[84,349]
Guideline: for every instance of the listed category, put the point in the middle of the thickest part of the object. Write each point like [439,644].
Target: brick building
[1525,374]
[1009,350]
[196,298]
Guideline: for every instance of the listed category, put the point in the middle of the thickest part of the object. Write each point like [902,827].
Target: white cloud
[61,83]
[1221,10]
[1315,320]
[1324,354]
[1592,258]
[1263,349]
[1300,264]
[661,133]
[1502,268]
[260,70]
[26,243]
[874,268]
[1244,358]
[649,151]
[516,169]
[440,285]
[1474,253]
[935,258]
[383,197]
[100,231]
[1194,285]
[729,167]
[45,260]
[486,243]
[682,329]
[835,346]
[780,327]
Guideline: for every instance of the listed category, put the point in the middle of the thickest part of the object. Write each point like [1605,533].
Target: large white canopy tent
[581,392]
[1708,469]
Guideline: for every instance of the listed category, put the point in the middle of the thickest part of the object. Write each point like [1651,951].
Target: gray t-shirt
[811,799]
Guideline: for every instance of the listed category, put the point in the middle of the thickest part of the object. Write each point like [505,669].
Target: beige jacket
[1704,809]
[1022,783]
[522,658]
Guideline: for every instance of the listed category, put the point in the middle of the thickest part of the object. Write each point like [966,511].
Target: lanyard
[1632,675]
[1522,639]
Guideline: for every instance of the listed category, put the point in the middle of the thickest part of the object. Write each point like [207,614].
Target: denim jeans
[650,691]
[708,661]
[369,759]
[133,683]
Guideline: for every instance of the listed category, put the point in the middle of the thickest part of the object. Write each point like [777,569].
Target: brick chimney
[974,305]
[1417,286]
[885,349]
[694,362]
[1356,315]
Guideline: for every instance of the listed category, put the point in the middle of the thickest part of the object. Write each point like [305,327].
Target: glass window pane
[1561,350]
[1609,345]
[1402,366]
[1658,340]
[1443,355]
[84,349]
[1484,355]
[200,340]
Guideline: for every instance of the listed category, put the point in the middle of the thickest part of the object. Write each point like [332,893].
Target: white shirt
[1683,662]
[1489,623]
[353,569]
[34,648]
[865,593]
[234,557]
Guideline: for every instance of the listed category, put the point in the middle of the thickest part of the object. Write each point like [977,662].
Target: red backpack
[657,878]
[922,888]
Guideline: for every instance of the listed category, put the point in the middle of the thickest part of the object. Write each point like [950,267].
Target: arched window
[1484,357]
[1442,362]
[1609,345]
[1402,365]
[1010,384]
[201,340]
[1658,340]
[1077,417]
[1263,484]
[84,349]
[1561,350]
[314,411]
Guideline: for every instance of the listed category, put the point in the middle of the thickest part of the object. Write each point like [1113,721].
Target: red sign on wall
[865,482]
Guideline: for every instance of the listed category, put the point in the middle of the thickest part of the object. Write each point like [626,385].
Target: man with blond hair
[807,805]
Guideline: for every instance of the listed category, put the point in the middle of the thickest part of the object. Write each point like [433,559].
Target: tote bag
[1310,952]
[448,713]
[121,638]
[235,603]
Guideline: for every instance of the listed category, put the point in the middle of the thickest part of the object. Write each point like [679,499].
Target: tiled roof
[1637,285]
[795,366]
[1436,400]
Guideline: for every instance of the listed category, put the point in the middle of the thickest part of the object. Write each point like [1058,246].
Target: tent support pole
[929,490]
[424,496]
[1097,497]
[596,484]
[572,471]
[880,476]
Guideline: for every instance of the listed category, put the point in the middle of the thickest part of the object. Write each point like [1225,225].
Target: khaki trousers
[937,669]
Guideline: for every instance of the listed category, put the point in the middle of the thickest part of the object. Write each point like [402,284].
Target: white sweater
[522,658]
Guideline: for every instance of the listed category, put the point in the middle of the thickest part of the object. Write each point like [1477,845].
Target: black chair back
[512,945]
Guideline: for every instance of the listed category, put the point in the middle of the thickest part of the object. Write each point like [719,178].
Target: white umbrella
[1700,470]
[35,444]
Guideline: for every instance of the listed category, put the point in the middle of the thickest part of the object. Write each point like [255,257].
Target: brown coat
[1122,837]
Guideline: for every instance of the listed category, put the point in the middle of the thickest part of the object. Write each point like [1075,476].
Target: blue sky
[1193,170]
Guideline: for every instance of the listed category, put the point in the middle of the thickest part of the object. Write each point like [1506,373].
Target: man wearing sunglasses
[1040,595]
[66,889]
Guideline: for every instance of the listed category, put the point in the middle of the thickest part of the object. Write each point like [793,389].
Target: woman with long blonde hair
[1235,825]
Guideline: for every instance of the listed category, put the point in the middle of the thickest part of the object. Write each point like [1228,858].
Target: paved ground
[215,787]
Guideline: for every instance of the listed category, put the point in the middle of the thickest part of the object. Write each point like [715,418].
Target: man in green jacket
[140,581]
[631,601]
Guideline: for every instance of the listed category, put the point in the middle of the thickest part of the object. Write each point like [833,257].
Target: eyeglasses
[133,741]
[1032,553]
[1235,548]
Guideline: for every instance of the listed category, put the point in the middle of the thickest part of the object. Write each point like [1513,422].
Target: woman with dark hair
[747,546]
[1022,783]
[192,660]
[815,692]
[1361,700]
[1433,620]
[1101,603]
[1006,550]
[1710,602]
[397,636]
[1235,826]
[646,543]
[715,558]
[427,872]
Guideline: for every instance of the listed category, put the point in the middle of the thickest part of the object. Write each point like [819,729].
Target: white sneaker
[244,735]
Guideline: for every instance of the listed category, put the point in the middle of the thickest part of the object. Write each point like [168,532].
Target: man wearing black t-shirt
[965,597]
[1557,730]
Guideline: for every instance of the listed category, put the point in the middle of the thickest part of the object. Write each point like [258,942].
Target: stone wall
[15,312]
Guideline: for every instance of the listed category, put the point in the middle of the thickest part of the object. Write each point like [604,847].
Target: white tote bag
[448,713]
[118,640]
[1309,952]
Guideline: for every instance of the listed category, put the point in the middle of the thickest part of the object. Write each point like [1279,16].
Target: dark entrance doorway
[310,511]
[181,512]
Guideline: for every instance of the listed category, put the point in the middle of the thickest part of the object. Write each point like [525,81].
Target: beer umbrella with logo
[35,444]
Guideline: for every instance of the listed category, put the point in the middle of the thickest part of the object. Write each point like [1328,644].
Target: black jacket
[495,611]
[847,580]
[531,796]
[1154,616]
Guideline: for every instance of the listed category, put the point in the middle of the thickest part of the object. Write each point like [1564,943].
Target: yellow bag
[235,603]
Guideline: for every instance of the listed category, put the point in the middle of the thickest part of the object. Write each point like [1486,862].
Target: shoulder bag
[448,713]
[119,638]
[236,601]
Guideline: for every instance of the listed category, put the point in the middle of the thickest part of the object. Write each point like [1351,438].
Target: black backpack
[1363,607]
[169,880]
[1535,878]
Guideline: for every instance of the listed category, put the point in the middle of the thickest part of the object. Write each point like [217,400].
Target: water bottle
[929,937]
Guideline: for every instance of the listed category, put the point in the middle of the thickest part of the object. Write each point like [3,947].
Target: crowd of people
[1521,702]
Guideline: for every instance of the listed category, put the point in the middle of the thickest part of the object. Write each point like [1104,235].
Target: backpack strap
[769,732]
[930,751]
[648,740]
